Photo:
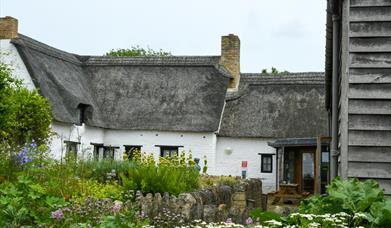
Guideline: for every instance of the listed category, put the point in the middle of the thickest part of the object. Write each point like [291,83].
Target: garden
[38,191]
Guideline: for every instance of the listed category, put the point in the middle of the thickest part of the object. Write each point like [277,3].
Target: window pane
[170,151]
[130,150]
[266,164]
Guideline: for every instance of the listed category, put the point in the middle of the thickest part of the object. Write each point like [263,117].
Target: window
[108,152]
[168,151]
[71,148]
[98,151]
[266,163]
[130,150]
[82,113]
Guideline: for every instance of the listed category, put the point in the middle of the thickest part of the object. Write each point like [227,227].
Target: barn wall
[369,91]
[245,149]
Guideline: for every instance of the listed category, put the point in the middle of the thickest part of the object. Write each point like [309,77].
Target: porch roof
[295,142]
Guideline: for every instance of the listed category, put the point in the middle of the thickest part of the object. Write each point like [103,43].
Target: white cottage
[104,106]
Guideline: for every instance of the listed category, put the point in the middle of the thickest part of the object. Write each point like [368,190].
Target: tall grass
[173,175]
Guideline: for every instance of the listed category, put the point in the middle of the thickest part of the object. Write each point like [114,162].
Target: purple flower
[229,220]
[117,207]
[57,214]
[23,157]
[249,221]
[33,144]
[142,214]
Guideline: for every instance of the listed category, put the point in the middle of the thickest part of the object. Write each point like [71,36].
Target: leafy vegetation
[173,175]
[273,71]
[207,181]
[25,202]
[263,216]
[352,196]
[136,51]
[24,114]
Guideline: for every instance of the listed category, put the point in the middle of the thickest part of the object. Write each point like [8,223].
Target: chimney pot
[8,27]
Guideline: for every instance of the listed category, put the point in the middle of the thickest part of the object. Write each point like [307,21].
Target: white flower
[308,216]
[359,215]
[343,214]
[314,224]
[274,222]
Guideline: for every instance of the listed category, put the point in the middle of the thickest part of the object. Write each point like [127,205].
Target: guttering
[334,98]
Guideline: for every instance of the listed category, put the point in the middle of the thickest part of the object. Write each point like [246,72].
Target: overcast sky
[287,34]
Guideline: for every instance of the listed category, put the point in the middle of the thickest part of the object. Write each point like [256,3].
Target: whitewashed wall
[70,132]
[245,149]
[10,56]
[200,144]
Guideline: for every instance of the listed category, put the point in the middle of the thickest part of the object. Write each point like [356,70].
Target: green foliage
[319,205]
[25,203]
[380,214]
[207,181]
[98,213]
[104,170]
[273,71]
[263,216]
[91,188]
[6,80]
[24,114]
[352,196]
[172,175]
[355,195]
[135,51]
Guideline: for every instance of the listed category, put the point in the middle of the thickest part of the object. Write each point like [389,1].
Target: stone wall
[214,204]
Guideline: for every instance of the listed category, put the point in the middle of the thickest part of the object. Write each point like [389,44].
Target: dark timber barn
[358,88]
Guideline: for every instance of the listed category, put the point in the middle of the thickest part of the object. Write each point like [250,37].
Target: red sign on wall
[244,164]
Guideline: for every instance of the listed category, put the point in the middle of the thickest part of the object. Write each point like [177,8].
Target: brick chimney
[8,28]
[230,58]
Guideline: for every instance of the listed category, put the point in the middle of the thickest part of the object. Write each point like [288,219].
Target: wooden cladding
[366,3]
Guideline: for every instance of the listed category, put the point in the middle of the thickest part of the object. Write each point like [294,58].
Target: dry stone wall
[214,204]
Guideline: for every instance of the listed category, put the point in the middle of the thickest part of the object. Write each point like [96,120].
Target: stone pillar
[230,58]
[8,28]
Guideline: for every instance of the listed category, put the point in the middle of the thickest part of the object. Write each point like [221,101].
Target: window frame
[97,147]
[169,147]
[74,144]
[82,108]
[131,148]
[263,164]
[112,148]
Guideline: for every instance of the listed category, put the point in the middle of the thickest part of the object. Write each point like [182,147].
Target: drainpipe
[334,95]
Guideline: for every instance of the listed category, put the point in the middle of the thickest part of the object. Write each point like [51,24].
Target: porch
[302,166]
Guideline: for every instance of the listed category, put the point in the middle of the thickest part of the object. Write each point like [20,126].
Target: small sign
[244,164]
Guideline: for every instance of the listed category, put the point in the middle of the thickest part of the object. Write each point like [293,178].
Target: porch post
[317,187]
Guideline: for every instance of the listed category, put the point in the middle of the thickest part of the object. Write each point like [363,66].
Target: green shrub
[136,51]
[263,216]
[170,175]
[94,189]
[25,203]
[206,181]
[25,117]
[380,213]
[104,170]
[353,197]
